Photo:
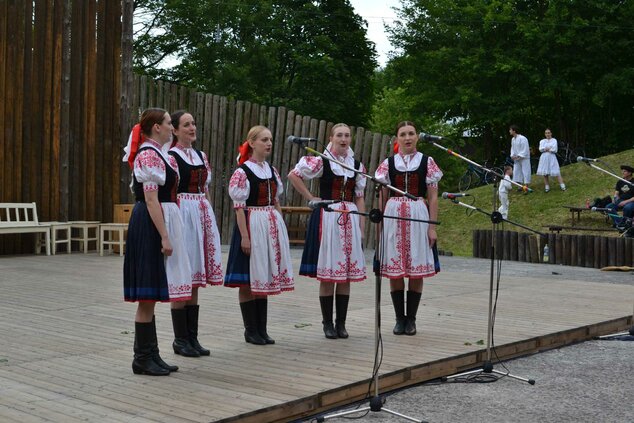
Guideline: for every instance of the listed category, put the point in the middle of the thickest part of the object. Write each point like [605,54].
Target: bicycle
[475,177]
[566,154]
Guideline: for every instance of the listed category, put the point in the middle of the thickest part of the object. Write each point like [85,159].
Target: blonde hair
[337,125]
[255,131]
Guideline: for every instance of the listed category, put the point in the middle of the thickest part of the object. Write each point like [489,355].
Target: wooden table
[578,210]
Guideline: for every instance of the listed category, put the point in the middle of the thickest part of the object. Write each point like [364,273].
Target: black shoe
[341,330]
[325,302]
[329,330]
[413,300]
[399,327]
[155,352]
[192,328]
[410,326]
[341,304]
[398,301]
[262,316]
[144,344]
[181,343]
[249,317]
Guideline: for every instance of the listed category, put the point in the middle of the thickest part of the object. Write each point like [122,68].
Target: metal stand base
[487,368]
[376,405]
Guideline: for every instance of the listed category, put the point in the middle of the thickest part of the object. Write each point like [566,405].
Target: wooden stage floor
[66,342]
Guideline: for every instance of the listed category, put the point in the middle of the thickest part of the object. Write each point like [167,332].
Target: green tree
[485,64]
[311,56]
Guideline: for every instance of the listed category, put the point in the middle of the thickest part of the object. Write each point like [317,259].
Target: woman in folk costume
[200,232]
[333,250]
[548,164]
[156,267]
[259,261]
[408,251]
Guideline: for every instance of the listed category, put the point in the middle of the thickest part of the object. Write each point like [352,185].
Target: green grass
[535,209]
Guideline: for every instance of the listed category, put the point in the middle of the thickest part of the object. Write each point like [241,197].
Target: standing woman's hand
[245,245]
[166,246]
[432,236]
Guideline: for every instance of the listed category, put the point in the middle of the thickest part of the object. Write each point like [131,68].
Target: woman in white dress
[156,266]
[548,164]
[200,231]
[333,251]
[259,261]
[408,247]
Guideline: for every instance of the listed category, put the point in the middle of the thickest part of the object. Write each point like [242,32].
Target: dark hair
[176,117]
[404,123]
[507,168]
[515,128]
[151,117]
[176,121]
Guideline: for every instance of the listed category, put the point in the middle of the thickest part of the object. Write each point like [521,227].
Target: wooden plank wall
[569,250]
[223,124]
[60,77]
[68,100]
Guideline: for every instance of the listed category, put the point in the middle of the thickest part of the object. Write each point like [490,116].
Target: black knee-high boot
[144,345]
[155,351]
[249,317]
[398,300]
[413,299]
[341,303]
[192,328]
[181,343]
[262,306]
[326,313]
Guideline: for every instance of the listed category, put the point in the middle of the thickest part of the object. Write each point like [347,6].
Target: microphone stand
[375,216]
[425,137]
[630,183]
[496,217]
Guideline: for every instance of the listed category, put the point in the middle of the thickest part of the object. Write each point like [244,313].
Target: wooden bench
[21,218]
[298,231]
[578,210]
[558,228]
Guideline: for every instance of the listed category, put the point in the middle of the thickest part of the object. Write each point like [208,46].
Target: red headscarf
[395,146]
[136,139]
[244,152]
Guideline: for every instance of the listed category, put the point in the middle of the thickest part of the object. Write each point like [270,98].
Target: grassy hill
[535,209]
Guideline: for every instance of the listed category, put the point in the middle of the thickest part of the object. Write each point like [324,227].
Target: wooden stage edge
[412,375]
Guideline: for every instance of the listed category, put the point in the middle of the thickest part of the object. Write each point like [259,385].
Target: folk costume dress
[333,249]
[149,275]
[256,188]
[406,245]
[200,228]
[548,164]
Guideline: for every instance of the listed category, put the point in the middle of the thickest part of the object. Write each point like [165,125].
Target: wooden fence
[68,99]
[222,125]
[569,250]
[60,72]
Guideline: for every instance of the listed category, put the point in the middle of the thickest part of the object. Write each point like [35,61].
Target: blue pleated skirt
[144,276]
[310,256]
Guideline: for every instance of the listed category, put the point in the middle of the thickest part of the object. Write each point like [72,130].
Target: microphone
[429,138]
[300,140]
[586,159]
[321,204]
[451,196]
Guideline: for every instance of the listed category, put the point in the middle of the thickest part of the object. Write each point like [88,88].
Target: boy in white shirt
[503,191]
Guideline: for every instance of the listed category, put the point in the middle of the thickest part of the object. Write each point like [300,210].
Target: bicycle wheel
[465,181]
